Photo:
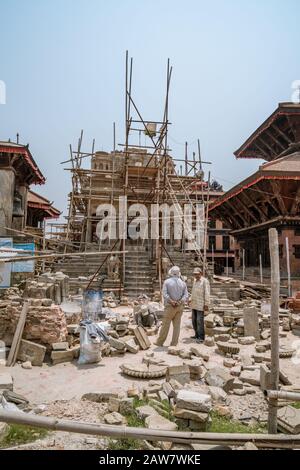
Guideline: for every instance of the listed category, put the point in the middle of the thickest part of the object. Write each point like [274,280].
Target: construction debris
[6,381]
[289,419]
[32,352]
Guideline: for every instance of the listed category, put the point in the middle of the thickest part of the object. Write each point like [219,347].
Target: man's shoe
[199,341]
[158,344]
[193,337]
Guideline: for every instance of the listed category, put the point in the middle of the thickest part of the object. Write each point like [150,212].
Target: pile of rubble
[45,321]
[247,320]
[54,286]
[53,331]
[129,333]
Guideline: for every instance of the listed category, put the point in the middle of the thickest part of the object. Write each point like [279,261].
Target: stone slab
[194,401]
[251,323]
[33,352]
[62,346]
[180,373]
[6,381]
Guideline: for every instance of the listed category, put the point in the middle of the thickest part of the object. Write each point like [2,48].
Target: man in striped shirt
[200,300]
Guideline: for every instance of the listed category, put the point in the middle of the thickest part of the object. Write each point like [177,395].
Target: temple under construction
[143,172]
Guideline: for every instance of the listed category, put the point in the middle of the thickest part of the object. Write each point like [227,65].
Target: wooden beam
[267,195]
[276,189]
[275,290]
[262,151]
[223,215]
[296,201]
[247,210]
[236,213]
[269,133]
[282,134]
[14,349]
[263,214]
[290,123]
[270,202]
[267,146]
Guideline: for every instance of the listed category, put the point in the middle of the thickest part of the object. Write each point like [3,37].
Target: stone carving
[143,372]
[165,265]
[228,348]
[113,266]
[286,353]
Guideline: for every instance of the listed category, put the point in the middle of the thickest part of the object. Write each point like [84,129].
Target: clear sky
[63,65]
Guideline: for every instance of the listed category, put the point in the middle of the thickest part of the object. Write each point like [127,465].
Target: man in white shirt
[200,300]
[175,296]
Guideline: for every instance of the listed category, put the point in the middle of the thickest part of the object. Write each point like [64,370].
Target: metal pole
[283,395]
[260,269]
[186,158]
[275,286]
[44,243]
[205,225]
[243,260]
[227,271]
[288,267]
[123,432]
[199,155]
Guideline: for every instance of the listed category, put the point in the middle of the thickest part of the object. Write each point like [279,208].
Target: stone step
[131,266]
[143,271]
[137,282]
[134,293]
[139,275]
[133,261]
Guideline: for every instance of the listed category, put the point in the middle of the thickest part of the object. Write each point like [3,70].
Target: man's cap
[174,271]
[197,271]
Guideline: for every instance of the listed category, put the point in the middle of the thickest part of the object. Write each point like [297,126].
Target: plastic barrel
[92,304]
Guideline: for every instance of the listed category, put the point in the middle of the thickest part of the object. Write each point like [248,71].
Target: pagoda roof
[36,201]
[284,168]
[274,135]
[35,175]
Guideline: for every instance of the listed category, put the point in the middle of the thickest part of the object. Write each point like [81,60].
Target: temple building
[149,180]
[22,212]
[39,210]
[270,197]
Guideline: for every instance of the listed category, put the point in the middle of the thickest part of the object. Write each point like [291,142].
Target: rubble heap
[45,322]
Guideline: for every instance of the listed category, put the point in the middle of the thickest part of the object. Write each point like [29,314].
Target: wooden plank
[17,336]
[141,337]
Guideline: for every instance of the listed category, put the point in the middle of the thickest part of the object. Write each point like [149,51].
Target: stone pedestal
[251,325]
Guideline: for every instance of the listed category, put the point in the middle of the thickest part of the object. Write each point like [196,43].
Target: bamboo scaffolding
[57,255]
[156,181]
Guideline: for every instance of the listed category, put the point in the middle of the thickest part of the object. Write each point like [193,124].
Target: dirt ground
[60,387]
[69,380]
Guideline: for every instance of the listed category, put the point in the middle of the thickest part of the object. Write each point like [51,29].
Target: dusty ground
[68,381]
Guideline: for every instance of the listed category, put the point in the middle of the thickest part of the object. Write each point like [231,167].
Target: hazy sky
[63,65]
